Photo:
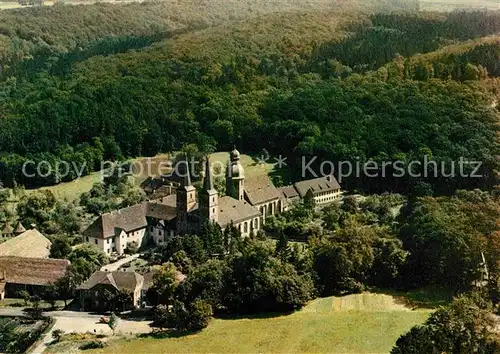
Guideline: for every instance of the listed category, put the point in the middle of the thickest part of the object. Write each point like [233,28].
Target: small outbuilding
[30,274]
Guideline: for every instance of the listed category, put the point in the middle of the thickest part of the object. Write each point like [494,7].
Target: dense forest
[338,84]
[342,81]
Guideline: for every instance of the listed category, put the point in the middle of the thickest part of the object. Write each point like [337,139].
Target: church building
[247,204]
[193,210]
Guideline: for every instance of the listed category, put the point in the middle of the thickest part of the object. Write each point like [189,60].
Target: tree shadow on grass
[280,175]
[250,316]
[422,298]
[166,333]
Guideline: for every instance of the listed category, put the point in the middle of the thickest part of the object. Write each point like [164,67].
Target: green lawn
[363,323]
[20,303]
[11,303]
[252,167]
[72,190]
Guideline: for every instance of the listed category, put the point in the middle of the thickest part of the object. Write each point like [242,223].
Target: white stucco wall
[118,243]
[327,197]
[136,236]
[99,243]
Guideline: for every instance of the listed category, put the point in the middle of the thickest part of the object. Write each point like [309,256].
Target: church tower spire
[186,197]
[209,197]
[235,176]
[208,182]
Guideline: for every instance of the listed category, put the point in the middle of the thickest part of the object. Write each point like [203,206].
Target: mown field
[363,323]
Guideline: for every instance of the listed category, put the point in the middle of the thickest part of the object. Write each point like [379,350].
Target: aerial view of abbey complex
[250,176]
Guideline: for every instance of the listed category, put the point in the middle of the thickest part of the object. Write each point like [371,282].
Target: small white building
[114,232]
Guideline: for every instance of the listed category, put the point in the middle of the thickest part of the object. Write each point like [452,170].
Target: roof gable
[127,219]
[7,229]
[19,228]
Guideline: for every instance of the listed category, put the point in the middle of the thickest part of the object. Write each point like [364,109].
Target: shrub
[57,334]
[199,315]
[25,295]
[95,344]
[464,326]
[132,248]
[193,317]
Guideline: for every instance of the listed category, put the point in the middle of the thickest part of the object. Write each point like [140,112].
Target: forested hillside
[340,83]
[83,31]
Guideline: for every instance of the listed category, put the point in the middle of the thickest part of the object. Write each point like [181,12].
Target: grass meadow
[361,323]
[71,190]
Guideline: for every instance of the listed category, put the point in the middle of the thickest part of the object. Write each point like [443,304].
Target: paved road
[79,322]
[19,312]
[114,266]
[12,311]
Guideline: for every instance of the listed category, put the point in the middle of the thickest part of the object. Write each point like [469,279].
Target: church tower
[186,197]
[235,177]
[209,198]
